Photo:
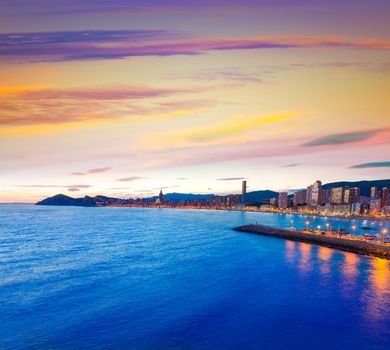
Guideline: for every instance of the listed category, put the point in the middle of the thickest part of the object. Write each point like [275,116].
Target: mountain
[365,186]
[177,197]
[61,199]
[260,196]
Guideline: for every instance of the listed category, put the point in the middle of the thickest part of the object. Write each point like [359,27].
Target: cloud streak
[372,165]
[231,179]
[92,171]
[29,106]
[131,178]
[95,45]
[339,139]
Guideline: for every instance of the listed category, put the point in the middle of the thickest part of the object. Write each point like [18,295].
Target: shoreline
[252,210]
[350,245]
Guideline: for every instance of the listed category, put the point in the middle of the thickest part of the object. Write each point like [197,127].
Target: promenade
[352,244]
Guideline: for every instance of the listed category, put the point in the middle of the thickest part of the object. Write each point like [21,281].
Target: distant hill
[260,196]
[177,197]
[61,199]
[365,186]
[251,197]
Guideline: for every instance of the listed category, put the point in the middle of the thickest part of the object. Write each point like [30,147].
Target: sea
[137,278]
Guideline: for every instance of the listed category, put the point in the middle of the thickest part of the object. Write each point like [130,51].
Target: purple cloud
[71,7]
[69,46]
[338,139]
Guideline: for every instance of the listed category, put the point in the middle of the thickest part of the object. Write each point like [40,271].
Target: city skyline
[125,99]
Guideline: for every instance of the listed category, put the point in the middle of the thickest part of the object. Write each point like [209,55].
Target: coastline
[248,209]
[350,245]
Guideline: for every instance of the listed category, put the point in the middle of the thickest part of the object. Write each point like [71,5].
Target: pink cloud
[56,106]
[73,189]
[131,178]
[62,49]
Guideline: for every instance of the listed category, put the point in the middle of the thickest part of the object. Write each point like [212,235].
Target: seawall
[349,245]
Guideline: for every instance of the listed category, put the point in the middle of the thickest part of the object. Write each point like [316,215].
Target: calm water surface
[98,278]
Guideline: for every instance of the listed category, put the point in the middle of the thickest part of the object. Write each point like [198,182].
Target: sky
[124,98]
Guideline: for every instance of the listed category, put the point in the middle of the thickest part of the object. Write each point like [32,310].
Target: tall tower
[161,196]
[243,193]
[374,192]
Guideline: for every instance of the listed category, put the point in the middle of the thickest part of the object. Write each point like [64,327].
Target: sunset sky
[125,98]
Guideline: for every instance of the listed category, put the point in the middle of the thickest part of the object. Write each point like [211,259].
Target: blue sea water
[123,278]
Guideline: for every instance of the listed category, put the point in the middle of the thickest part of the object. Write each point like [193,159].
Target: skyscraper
[374,192]
[384,196]
[299,198]
[337,196]
[243,193]
[313,193]
[161,197]
[283,200]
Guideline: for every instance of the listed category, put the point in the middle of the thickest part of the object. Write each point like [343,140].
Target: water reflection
[305,262]
[350,266]
[350,272]
[290,251]
[379,293]
[325,254]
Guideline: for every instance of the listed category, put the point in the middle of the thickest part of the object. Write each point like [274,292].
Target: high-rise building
[243,193]
[161,196]
[375,206]
[337,195]
[299,198]
[351,195]
[374,192]
[313,193]
[384,196]
[325,194]
[283,200]
[308,194]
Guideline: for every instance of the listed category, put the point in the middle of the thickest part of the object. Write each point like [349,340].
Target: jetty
[350,244]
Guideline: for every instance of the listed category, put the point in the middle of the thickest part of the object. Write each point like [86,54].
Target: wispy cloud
[92,171]
[372,165]
[54,186]
[31,106]
[229,128]
[338,139]
[231,179]
[73,189]
[87,45]
[71,7]
[100,93]
[132,178]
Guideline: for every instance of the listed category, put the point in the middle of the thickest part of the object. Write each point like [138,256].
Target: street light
[384,233]
[307,225]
